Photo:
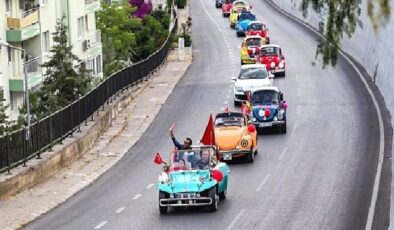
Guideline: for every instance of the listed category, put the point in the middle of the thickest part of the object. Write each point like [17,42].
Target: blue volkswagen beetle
[268,108]
[244,18]
[193,177]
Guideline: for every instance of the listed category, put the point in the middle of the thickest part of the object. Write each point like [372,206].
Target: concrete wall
[375,51]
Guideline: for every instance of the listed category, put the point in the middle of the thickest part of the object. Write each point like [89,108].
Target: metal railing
[15,150]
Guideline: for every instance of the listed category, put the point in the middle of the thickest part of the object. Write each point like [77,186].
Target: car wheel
[212,194]
[242,62]
[163,210]
[257,139]
[223,195]
[284,74]
[250,157]
[284,128]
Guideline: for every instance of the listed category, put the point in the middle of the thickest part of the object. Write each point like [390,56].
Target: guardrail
[15,150]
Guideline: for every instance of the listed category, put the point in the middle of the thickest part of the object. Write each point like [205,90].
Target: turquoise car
[193,178]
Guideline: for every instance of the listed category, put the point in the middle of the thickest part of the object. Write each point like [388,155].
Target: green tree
[4,123]
[65,80]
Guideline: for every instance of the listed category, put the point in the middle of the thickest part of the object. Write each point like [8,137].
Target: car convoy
[199,176]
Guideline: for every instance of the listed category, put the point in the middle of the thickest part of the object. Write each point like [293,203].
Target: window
[81,29]
[86,23]
[44,2]
[45,42]
[7,5]
[98,64]
[9,50]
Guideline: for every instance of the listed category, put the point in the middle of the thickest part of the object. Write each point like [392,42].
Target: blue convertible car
[244,18]
[268,108]
[193,178]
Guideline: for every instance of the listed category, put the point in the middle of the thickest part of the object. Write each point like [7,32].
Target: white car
[250,78]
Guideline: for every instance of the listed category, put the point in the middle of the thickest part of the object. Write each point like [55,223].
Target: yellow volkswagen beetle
[234,137]
[234,14]
[250,48]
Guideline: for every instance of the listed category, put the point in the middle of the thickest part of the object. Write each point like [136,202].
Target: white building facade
[29,25]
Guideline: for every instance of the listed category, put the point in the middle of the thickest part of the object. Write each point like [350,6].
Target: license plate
[227,156]
[266,124]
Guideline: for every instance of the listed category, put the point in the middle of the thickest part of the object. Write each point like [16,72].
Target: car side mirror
[233,78]
[281,96]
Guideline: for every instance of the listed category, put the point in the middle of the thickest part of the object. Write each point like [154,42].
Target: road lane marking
[119,210]
[263,182]
[294,129]
[137,196]
[282,154]
[149,186]
[225,102]
[229,90]
[237,217]
[100,225]
[228,96]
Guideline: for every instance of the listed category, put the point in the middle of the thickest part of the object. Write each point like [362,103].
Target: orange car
[234,137]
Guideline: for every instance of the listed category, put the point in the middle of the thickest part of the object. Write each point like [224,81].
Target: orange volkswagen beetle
[234,137]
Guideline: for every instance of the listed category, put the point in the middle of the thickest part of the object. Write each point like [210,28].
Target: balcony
[92,44]
[23,27]
[92,6]
[34,76]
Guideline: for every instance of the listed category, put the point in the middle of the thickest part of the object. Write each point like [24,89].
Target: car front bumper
[229,155]
[268,123]
[182,202]
[277,70]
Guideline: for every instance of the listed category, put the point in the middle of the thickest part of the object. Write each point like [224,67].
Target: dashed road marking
[119,210]
[294,129]
[266,178]
[229,90]
[228,96]
[149,186]
[237,217]
[137,196]
[225,102]
[282,154]
[101,224]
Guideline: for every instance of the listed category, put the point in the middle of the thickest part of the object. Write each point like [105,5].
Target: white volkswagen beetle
[250,77]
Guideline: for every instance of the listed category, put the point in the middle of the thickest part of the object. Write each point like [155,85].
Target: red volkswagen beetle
[272,56]
[258,28]
[226,7]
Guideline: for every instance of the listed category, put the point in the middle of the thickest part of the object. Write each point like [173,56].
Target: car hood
[188,181]
[250,84]
[273,111]
[244,23]
[227,138]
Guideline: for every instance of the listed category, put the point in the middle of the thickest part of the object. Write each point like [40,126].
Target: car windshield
[239,4]
[256,26]
[193,159]
[269,51]
[229,119]
[265,97]
[246,16]
[253,42]
[253,73]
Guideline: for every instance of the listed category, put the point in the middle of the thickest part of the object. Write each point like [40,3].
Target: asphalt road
[317,176]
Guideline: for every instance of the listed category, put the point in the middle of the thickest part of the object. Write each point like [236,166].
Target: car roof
[252,36]
[256,22]
[239,1]
[250,66]
[266,88]
[229,112]
[270,45]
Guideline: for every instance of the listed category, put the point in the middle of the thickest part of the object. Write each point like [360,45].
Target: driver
[203,163]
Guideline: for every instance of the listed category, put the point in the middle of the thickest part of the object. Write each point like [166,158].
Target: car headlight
[163,178]
[238,88]
[244,143]
[281,64]
[253,119]
[275,118]
[280,114]
[261,113]
[272,64]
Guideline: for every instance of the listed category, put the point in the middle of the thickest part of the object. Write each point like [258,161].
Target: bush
[181,3]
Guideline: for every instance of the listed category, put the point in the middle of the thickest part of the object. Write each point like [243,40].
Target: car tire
[283,128]
[212,194]
[162,209]
[250,157]
[223,195]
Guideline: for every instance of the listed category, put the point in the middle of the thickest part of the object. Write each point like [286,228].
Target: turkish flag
[158,160]
[209,135]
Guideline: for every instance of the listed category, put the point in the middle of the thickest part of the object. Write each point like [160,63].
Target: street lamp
[6,44]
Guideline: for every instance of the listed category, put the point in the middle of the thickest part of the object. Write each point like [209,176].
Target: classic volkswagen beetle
[234,136]
[258,28]
[226,7]
[272,56]
[235,10]
[243,20]
[250,49]
[268,108]
[193,177]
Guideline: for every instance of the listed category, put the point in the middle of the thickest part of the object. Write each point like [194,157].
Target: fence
[16,150]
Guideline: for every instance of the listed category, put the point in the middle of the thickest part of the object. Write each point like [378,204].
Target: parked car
[268,108]
[234,137]
[250,77]
[258,28]
[272,56]
[193,177]
[250,49]
[243,20]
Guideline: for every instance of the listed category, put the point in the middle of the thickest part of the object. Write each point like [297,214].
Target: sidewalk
[124,131]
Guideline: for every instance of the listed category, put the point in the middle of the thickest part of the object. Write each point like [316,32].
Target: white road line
[100,225]
[137,196]
[149,186]
[298,109]
[119,210]
[225,102]
[228,96]
[263,182]
[229,90]
[237,217]
[294,129]
[282,154]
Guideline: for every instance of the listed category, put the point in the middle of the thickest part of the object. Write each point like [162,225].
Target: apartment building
[29,24]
